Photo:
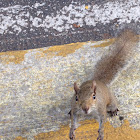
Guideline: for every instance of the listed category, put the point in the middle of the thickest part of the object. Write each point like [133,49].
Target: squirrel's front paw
[113,113]
[101,135]
[72,134]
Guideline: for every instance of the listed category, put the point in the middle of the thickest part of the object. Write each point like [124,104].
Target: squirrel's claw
[113,113]
[100,138]
[69,113]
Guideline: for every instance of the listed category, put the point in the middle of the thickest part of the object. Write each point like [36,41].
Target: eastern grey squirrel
[93,96]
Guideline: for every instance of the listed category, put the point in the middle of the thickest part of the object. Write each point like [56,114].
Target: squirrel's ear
[94,86]
[76,88]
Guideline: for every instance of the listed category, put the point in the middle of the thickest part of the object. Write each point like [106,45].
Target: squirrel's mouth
[86,110]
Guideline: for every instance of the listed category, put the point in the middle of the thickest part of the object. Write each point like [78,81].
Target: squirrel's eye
[94,97]
[76,98]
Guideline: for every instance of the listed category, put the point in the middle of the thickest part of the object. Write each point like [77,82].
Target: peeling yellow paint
[137,105]
[39,54]
[86,7]
[105,43]
[64,50]
[60,50]
[88,130]
[20,138]
[13,56]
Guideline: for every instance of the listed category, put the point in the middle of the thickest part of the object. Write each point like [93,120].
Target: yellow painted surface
[1,137]
[12,56]
[86,7]
[88,131]
[137,105]
[105,43]
[64,50]
[61,50]
[20,138]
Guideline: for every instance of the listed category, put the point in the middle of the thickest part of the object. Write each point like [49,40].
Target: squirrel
[93,96]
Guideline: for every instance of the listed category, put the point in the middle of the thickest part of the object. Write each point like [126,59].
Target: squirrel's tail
[117,57]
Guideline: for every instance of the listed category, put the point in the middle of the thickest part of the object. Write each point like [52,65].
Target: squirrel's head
[85,96]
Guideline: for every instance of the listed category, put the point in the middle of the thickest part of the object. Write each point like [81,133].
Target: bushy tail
[117,57]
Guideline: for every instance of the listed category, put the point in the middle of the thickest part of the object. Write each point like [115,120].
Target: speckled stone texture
[36,86]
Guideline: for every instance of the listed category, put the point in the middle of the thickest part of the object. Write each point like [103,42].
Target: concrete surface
[36,87]
[35,24]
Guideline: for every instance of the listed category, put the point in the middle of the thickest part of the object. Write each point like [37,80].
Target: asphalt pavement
[39,23]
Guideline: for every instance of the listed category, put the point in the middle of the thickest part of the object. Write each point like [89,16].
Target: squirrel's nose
[85,109]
